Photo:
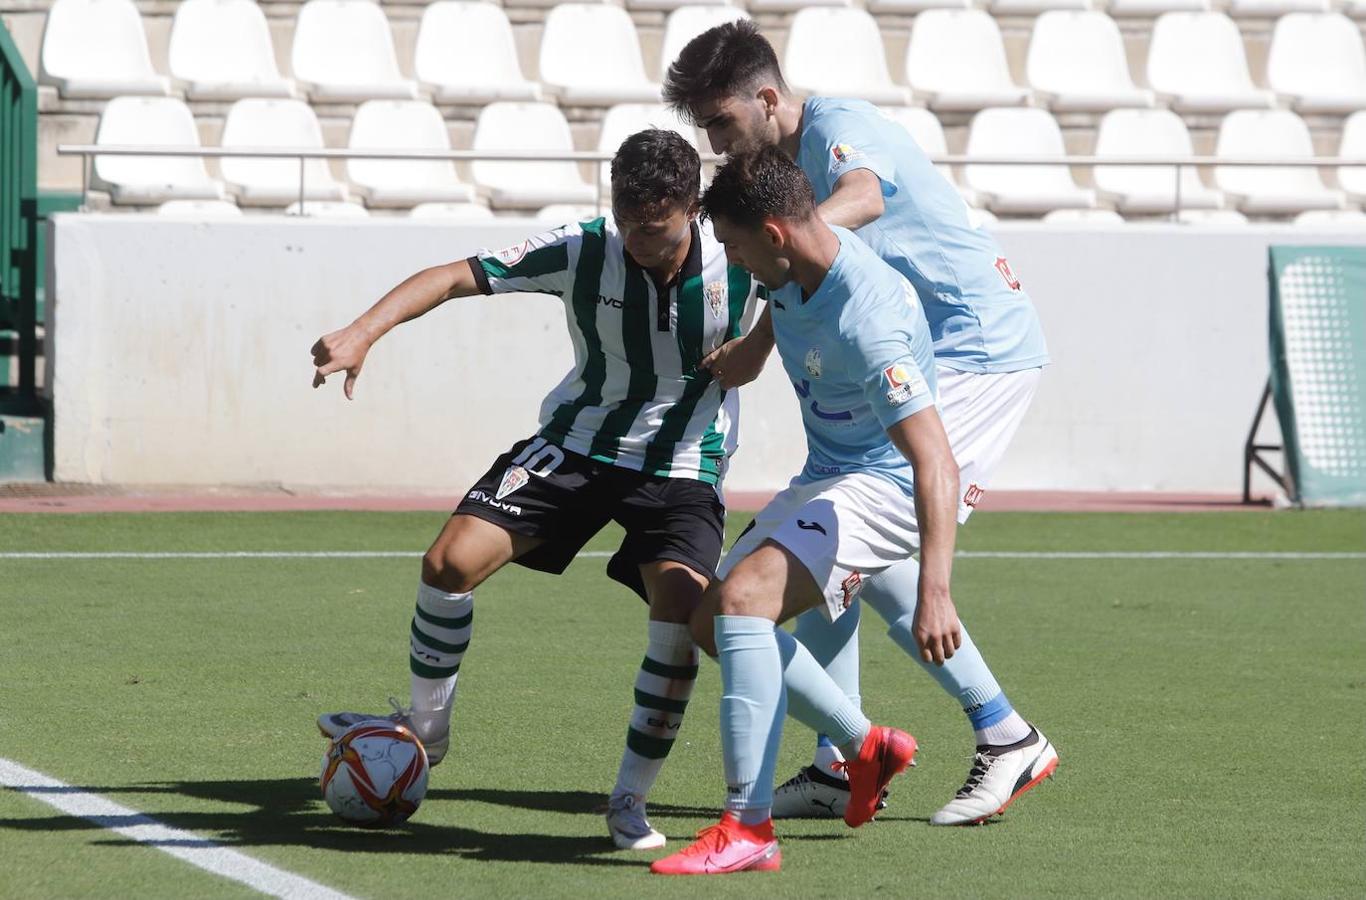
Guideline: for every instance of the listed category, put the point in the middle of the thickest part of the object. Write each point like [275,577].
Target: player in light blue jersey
[879,482]
[869,175]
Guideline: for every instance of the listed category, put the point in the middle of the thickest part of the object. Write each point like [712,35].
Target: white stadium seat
[1319,61]
[666,5]
[151,179]
[403,125]
[590,56]
[625,119]
[466,54]
[912,7]
[564,213]
[686,23]
[1198,60]
[1276,133]
[451,212]
[1148,189]
[200,209]
[1076,62]
[786,6]
[327,209]
[344,53]
[1033,7]
[956,60]
[268,122]
[838,52]
[223,51]
[1333,218]
[526,184]
[1149,8]
[1211,217]
[1352,179]
[1022,189]
[97,48]
[1083,217]
[1267,9]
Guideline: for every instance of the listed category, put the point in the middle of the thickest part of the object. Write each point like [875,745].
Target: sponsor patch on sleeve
[511,256]
[845,154]
[903,382]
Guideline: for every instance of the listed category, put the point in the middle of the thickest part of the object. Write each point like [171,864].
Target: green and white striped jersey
[635,397]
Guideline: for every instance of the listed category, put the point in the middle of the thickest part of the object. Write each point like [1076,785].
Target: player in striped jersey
[636,432]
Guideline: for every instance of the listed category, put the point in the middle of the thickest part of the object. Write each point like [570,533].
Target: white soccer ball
[374,774]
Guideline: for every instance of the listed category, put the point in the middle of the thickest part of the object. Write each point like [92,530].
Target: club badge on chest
[813,362]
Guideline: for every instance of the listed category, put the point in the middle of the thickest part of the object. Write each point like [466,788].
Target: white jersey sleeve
[543,263]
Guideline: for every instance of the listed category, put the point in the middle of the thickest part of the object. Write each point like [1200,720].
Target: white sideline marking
[603,554]
[193,849]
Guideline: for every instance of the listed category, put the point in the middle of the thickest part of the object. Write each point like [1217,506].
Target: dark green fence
[18,230]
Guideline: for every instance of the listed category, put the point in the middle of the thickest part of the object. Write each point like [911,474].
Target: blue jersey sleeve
[849,144]
[893,384]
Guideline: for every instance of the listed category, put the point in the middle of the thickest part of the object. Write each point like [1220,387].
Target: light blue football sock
[814,699]
[753,704]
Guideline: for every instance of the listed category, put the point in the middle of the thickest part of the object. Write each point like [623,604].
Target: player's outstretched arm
[855,201]
[921,439]
[345,349]
[740,361]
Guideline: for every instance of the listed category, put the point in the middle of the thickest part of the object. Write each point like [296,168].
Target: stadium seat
[344,53]
[667,5]
[451,212]
[466,54]
[956,60]
[1267,9]
[1318,60]
[911,7]
[1083,217]
[1333,218]
[838,51]
[1148,189]
[327,209]
[223,51]
[590,56]
[1022,189]
[1276,133]
[1197,59]
[1352,179]
[271,122]
[200,209]
[1033,7]
[403,125]
[787,6]
[1076,62]
[564,213]
[1211,217]
[151,179]
[686,23]
[527,184]
[625,119]
[1150,8]
[97,48]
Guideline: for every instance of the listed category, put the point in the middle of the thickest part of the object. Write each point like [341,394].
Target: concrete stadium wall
[179,354]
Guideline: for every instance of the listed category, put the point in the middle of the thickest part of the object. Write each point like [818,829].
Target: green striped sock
[663,686]
[437,639]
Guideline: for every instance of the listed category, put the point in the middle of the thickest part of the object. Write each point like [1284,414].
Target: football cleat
[628,826]
[812,794]
[728,846]
[999,775]
[886,752]
[436,743]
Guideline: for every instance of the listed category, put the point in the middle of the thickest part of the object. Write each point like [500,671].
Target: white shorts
[981,413]
[843,529]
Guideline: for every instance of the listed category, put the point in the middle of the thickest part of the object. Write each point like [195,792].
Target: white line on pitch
[184,845]
[602,554]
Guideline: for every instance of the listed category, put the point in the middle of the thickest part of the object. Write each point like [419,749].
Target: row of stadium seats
[590,55]
[522,185]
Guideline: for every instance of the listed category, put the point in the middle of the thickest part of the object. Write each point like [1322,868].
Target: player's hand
[935,627]
[736,362]
[341,350]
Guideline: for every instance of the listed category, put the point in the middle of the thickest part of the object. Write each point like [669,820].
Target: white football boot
[997,778]
[628,826]
[432,729]
[812,794]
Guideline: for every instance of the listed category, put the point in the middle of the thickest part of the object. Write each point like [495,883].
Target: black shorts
[541,490]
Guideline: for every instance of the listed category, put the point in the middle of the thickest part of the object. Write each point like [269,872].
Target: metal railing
[1178,164]
[19,213]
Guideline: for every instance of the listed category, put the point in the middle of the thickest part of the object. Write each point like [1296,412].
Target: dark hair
[721,62]
[757,185]
[655,169]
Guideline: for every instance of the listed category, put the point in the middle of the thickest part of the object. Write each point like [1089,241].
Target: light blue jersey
[858,352]
[979,315]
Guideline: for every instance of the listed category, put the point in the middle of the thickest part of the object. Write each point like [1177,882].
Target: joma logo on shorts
[481,497]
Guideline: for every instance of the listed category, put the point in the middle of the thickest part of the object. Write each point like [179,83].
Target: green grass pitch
[1208,714]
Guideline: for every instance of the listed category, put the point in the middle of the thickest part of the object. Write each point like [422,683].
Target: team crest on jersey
[904,383]
[715,295]
[844,153]
[850,587]
[1004,268]
[813,362]
[511,256]
[514,478]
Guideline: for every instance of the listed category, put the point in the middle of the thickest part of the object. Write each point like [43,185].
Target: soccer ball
[374,774]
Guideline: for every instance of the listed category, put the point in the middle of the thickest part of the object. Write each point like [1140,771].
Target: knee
[702,623]
[443,568]
[742,595]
